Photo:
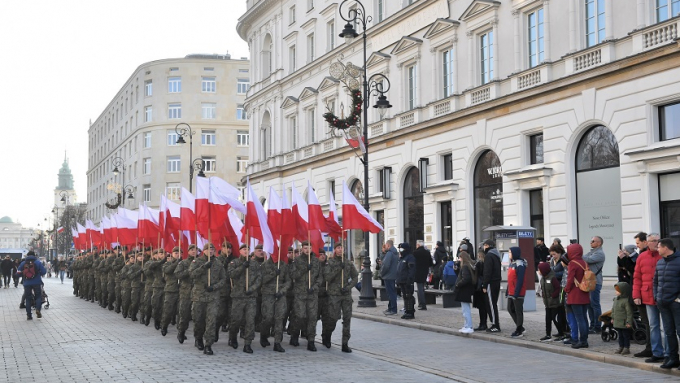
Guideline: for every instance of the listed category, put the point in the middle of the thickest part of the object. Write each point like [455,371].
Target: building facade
[14,236]
[561,115]
[133,144]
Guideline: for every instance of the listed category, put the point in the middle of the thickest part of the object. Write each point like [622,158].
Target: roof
[6,219]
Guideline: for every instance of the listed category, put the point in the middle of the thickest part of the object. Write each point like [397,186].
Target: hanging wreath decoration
[119,199]
[353,119]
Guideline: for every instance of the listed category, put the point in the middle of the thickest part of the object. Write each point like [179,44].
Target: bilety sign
[525,234]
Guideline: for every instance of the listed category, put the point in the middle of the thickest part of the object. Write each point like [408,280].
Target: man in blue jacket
[32,270]
[388,272]
[666,290]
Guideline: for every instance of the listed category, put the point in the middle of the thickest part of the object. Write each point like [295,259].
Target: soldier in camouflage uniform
[306,281]
[341,276]
[145,305]
[104,267]
[275,284]
[243,298]
[91,265]
[156,267]
[125,289]
[171,290]
[96,266]
[324,300]
[110,290]
[209,277]
[225,299]
[76,275]
[117,267]
[290,295]
[134,275]
[185,286]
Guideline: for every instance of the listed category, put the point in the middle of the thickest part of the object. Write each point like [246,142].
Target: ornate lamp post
[183,130]
[116,162]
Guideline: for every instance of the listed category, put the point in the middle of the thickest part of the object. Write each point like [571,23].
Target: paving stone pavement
[77,341]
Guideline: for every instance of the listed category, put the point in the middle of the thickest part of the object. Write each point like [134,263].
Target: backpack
[449,274]
[29,271]
[589,281]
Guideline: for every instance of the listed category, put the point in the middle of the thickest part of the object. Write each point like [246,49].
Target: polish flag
[334,229]
[202,206]
[300,211]
[288,228]
[170,214]
[107,232]
[126,227]
[274,220]
[358,143]
[256,222]
[354,216]
[60,229]
[316,221]
[220,204]
[92,234]
[82,236]
[187,219]
[147,227]
[76,241]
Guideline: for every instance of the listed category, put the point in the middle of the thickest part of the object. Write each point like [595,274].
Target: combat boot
[180,337]
[326,340]
[278,348]
[345,348]
[247,349]
[199,344]
[264,342]
[124,315]
[217,334]
[233,343]
[134,317]
[157,324]
[164,331]
[22,305]
[311,346]
[294,341]
[224,328]
[208,350]
[117,310]
[111,307]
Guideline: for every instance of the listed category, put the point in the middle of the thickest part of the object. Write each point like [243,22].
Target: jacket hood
[516,253]
[624,288]
[31,258]
[544,267]
[574,251]
[440,244]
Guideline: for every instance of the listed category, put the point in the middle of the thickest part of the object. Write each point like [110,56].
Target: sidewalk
[449,320]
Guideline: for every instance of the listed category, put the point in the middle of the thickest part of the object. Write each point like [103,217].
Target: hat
[305,243]
[630,249]
[564,259]
[30,254]
[175,249]
[557,240]
[244,246]
[544,268]
[208,246]
[337,245]
[490,243]
[259,247]
[463,247]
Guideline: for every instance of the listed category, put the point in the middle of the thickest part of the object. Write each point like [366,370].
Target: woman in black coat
[479,298]
[465,287]
[440,257]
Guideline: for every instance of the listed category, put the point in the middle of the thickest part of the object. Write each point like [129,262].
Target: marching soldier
[158,287]
[104,266]
[118,264]
[341,277]
[306,281]
[125,283]
[145,304]
[225,300]
[245,282]
[208,279]
[324,300]
[134,275]
[185,286]
[275,284]
[171,290]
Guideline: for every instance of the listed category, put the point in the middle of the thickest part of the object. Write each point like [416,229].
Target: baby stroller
[45,299]
[609,333]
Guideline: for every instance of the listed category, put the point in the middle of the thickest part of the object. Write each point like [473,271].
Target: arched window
[413,208]
[598,149]
[488,196]
[267,56]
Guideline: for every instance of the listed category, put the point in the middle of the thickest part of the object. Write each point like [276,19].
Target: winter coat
[406,269]
[622,310]
[449,274]
[423,263]
[465,285]
[440,257]
[516,273]
[595,260]
[626,268]
[541,254]
[39,269]
[575,271]
[557,268]
[479,298]
[643,278]
[492,267]
[550,286]
[7,265]
[388,270]
[667,279]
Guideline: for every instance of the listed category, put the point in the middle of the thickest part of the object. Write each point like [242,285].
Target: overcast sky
[61,63]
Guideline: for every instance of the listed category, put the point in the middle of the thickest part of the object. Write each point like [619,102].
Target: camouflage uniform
[342,276]
[184,305]
[274,304]
[76,276]
[97,280]
[170,292]
[125,290]
[104,267]
[145,305]
[243,302]
[118,264]
[306,300]
[156,267]
[205,298]
[91,265]
[110,290]
[225,298]
[324,300]
[134,275]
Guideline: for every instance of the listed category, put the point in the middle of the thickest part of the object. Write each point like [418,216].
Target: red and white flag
[60,229]
[316,219]
[76,242]
[300,211]
[256,222]
[147,225]
[93,234]
[126,227]
[354,216]
[82,236]
[334,229]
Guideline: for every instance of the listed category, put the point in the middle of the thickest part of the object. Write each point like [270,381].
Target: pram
[44,297]
[609,333]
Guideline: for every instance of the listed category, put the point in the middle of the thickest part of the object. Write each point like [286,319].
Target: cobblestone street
[77,341]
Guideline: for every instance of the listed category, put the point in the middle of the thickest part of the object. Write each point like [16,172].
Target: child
[551,289]
[622,314]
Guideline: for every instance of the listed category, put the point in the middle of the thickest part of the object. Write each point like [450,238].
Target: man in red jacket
[643,280]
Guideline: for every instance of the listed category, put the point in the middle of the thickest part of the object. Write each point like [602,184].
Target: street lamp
[199,165]
[370,86]
[129,190]
[116,162]
[184,131]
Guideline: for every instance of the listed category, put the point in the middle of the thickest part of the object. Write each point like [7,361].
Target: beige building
[14,236]
[133,147]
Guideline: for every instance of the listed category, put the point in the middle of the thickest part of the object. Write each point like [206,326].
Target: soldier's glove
[344,290]
[278,295]
[310,291]
[209,289]
[246,264]
[278,272]
[207,265]
[309,267]
[249,292]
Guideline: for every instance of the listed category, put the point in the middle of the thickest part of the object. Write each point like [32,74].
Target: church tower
[65,185]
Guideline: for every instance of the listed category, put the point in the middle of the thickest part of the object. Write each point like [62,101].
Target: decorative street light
[377,84]
[198,165]
[184,131]
[116,162]
[129,189]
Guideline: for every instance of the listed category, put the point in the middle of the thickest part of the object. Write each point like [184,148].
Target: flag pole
[209,244]
[180,244]
[142,277]
[309,259]
[278,263]
[342,272]
[248,255]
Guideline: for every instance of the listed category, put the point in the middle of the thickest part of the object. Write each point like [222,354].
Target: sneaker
[618,350]
[494,329]
[390,313]
[38,314]
[482,327]
[546,338]
[567,341]
[466,330]
[29,317]
[523,330]
[517,334]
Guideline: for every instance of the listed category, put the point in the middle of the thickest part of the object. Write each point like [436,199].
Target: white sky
[61,62]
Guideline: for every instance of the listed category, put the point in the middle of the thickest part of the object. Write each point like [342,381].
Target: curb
[583,354]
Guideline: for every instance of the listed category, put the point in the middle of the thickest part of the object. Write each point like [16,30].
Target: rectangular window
[208,111]
[146,166]
[172,138]
[242,138]
[486,56]
[595,22]
[664,12]
[148,88]
[381,10]
[536,149]
[448,166]
[146,190]
[147,140]
[208,84]
[242,86]
[174,164]
[209,164]
[291,15]
[330,34]
[174,111]
[311,116]
[208,137]
[536,49]
[292,59]
[174,84]
[173,191]
[148,114]
[310,48]
[241,113]
[447,73]
[412,86]
[310,5]
[208,69]
[331,189]
[669,121]
[536,211]
[241,164]
[292,123]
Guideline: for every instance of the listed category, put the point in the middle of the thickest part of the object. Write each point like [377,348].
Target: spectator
[61,266]
[622,315]
[32,283]
[557,265]
[465,287]
[578,300]
[516,290]
[470,249]
[449,275]
[479,298]
[557,241]
[16,275]
[423,263]
[7,266]
[440,257]
[541,254]
[406,276]
[388,273]
[595,260]
[556,252]
[625,263]
[551,289]
[492,282]
[643,297]
[667,295]
[572,328]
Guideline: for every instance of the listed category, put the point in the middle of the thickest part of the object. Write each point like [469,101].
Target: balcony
[597,55]
[655,35]
[530,78]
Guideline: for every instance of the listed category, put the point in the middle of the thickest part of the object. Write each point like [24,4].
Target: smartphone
[620,247]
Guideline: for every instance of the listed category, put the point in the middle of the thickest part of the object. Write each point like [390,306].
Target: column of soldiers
[233,293]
